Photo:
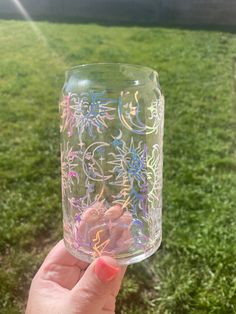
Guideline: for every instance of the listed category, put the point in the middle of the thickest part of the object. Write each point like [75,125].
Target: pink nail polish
[105,271]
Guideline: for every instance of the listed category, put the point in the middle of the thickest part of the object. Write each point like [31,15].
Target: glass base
[132,259]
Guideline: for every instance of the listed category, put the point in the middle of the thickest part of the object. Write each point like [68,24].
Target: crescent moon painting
[130,113]
[92,162]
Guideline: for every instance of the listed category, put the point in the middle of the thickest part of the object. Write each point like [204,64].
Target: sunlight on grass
[194,270]
[31,23]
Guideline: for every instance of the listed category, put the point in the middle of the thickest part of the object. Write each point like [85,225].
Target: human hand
[66,285]
[112,225]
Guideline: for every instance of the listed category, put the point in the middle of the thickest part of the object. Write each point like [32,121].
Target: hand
[66,285]
[112,225]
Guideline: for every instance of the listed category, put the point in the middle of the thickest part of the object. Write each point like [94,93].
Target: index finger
[60,256]
[60,267]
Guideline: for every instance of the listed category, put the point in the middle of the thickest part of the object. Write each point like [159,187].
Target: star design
[77,217]
[81,144]
[124,193]
[101,158]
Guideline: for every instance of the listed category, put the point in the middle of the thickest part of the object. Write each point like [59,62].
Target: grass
[194,271]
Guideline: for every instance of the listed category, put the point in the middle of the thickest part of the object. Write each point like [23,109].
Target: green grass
[194,271]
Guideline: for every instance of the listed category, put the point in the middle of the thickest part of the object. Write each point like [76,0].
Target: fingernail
[105,271]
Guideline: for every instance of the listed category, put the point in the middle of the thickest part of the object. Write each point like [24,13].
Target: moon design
[129,111]
[118,137]
[117,140]
[92,163]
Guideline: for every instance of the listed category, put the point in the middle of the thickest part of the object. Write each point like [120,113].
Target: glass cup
[112,118]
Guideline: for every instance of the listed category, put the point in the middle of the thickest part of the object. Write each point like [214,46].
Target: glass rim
[136,67]
[133,65]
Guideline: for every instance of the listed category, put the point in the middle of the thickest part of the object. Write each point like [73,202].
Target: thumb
[100,282]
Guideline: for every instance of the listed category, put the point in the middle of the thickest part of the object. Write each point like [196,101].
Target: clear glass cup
[112,118]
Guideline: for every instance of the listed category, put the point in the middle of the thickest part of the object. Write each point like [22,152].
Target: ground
[194,270]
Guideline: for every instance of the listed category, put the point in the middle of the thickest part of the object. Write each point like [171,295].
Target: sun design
[90,197]
[68,165]
[156,112]
[130,162]
[129,170]
[91,110]
[67,116]
[154,174]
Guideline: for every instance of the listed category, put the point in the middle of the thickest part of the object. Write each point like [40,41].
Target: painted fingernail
[105,271]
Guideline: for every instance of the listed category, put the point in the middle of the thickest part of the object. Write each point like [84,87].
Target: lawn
[194,270]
